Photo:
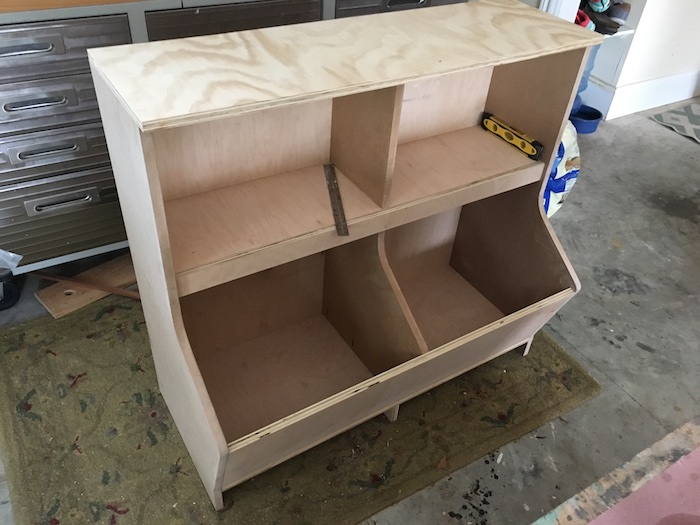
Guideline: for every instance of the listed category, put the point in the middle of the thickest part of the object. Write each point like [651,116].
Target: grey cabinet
[57,192]
[179,23]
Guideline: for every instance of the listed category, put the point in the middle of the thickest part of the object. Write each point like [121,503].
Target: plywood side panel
[364,303]
[363,140]
[178,376]
[439,105]
[239,311]
[177,82]
[536,95]
[504,248]
[221,153]
[278,443]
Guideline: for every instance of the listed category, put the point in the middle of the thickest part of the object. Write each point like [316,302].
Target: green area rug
[87,438]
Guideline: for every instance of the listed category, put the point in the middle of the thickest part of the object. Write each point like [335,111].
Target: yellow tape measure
[512,136]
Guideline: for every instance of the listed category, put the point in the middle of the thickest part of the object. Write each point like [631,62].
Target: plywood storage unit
[270,332]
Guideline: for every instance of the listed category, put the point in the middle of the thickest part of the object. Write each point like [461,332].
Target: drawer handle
[397,4]
[39,208]
[36,103]
[36,48]
[47,151]
[61,203]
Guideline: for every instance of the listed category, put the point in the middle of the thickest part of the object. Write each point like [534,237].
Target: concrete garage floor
[631,228]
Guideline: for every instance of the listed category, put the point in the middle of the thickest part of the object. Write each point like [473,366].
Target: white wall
[658,65]
[667,41]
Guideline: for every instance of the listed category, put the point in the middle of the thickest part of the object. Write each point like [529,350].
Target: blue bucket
[586,119]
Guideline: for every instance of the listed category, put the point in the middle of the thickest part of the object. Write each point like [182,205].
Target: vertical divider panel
[364,134]
[362,300]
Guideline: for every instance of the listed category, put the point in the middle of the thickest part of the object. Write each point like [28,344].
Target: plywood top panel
[175,82]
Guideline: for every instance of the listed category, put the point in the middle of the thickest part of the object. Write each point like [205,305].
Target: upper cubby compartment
[240,185]
[442,148]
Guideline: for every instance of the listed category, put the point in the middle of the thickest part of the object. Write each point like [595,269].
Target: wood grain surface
[176,82]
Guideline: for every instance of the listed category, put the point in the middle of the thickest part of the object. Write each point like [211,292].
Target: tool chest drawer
[54,152]
[47,103]
[41,219]
[345,8]
[179,23]
[45,49]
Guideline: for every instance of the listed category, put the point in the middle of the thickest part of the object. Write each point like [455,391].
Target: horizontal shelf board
[230,233]
[264,380]
[445,306]
[221,224]
[452,160]
[176,82]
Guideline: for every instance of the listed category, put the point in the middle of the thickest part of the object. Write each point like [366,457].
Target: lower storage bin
[466,268]
[270,344]
[294,355]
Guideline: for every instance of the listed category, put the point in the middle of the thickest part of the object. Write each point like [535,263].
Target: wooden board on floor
[454,160]
[61,299]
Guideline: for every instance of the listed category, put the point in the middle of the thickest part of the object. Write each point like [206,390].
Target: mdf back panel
[442,104]
[245,309]
[220,153]
[410,245]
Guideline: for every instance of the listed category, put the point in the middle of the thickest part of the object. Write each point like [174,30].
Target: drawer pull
[36,103]
[397,4]
[39,208]
[62,203]
[47,151]
[35,48]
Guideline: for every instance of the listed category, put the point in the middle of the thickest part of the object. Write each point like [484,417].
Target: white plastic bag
[564,171]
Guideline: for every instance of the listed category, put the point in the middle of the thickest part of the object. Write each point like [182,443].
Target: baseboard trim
[653,93]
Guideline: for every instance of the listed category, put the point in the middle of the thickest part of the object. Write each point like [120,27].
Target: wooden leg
[217,499]
[528,344]
[392,413]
